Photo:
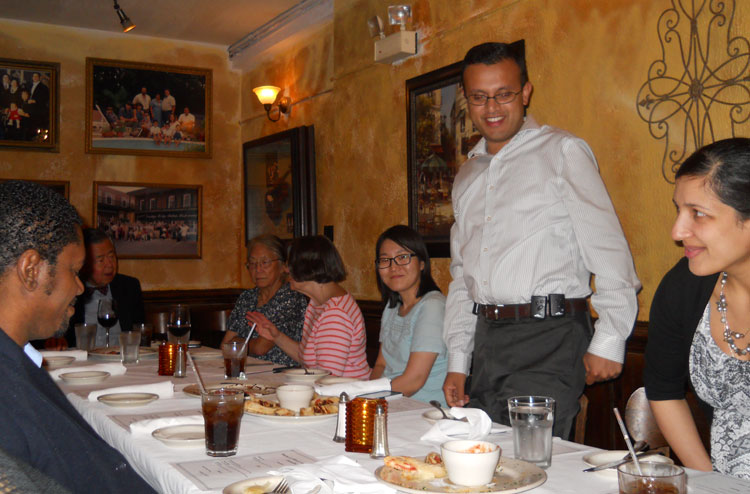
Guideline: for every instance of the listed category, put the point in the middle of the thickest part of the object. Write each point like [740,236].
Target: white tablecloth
[154,460]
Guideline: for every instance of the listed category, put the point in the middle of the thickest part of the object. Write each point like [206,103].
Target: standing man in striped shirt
[533,223]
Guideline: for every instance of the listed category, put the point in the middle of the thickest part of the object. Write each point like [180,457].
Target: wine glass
[179,325]
[106,315]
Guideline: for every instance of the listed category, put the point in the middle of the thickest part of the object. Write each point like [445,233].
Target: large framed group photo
[147,109]
[29,108]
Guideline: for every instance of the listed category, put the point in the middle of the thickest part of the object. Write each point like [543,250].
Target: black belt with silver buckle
[553,305]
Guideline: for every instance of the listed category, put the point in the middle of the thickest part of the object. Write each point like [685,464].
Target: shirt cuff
[608,347]
[459,362]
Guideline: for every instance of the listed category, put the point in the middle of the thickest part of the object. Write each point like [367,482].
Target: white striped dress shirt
[536,219]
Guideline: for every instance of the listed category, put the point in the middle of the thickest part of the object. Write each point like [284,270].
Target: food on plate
[257,489]
[433,458]
[324,405]
[319,410]
[324,400]
[399,468]
[478,448]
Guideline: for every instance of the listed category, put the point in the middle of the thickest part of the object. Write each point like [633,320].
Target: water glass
[130,341]
[531,418]
[147,331]
[85,336]
[222,414]
[655,478]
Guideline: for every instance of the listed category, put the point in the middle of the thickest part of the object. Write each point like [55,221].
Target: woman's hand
[263,326]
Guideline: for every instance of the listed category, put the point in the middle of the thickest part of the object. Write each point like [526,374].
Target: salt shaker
[340,435]
[180,362]
[380,435]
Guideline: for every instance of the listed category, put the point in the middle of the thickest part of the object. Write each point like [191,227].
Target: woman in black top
[699,326]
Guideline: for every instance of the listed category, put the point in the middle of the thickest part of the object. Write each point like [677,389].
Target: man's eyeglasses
[263,263]
[400,260]
[479,99]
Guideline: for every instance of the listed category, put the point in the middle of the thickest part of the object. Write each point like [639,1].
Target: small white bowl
[295,396]
[299,375]
[52,363]
[467,468]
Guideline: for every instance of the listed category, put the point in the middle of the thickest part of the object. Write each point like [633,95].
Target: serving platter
[124,400]
[182,436]
[249,388]
[84,377]
[113,353]
[511,476]
[293,419]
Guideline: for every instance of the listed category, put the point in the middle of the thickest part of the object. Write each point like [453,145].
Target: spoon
[437,405]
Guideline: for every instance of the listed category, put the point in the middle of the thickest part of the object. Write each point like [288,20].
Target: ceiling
[220,22]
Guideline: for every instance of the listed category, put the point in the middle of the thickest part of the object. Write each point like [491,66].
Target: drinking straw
[247,338]
[627,440]
[197,373]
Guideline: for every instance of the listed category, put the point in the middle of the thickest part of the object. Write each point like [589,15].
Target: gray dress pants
[531,357]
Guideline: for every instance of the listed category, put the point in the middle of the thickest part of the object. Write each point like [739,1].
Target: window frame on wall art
[278,177]
[129,243]
[115,83]
[60,186]
[30,132]
[431,202]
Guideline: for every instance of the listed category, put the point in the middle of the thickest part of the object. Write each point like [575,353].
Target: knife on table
[617,463]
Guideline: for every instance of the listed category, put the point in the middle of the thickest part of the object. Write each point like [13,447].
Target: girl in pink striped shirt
[333,335]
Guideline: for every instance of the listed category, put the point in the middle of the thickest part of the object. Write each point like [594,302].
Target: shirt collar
[33,354]
[529,123]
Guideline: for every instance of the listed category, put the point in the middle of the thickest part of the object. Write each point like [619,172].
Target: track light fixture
[127,24]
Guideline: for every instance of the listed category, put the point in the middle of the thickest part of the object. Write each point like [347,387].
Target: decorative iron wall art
[701,81]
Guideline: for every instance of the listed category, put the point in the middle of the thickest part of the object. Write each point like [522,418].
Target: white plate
[52,363]
[602,457]
[511,476]
[113,353]
[269,483]
[84,377]
[299,375]
[336,380]
[182,436]
[294,419]
[127,399]
[249,388]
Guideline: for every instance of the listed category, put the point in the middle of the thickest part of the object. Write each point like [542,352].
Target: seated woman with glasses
[333,336]
[412,352]
[272,298]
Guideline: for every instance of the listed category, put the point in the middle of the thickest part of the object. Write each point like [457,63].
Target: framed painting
[29,105]
[279,184]
[147,109]
[59,186]
[150,221]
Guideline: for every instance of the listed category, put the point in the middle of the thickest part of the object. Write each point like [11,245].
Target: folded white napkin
[342,475]
[355,388]
[114,368]
[163,389]
[78,354]
[146,427]
[478,426]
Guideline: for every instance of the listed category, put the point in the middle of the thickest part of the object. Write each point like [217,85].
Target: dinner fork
[281,488]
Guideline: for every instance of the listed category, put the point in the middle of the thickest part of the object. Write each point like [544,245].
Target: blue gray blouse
[286,310]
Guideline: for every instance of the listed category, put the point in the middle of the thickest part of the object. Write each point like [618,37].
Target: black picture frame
[113,84]
[33,125]
[439,136]
[150,221]
[278,177]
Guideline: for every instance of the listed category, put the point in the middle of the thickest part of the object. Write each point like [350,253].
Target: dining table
[268,444]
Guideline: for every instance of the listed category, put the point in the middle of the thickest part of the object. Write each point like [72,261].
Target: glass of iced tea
[654,478]
[235,355]
[222,413]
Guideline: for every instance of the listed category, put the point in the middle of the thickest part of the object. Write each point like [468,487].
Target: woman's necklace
[729,336]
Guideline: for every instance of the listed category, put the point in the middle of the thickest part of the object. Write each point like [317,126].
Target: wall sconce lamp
[127,24]
[267,96]
[399,45]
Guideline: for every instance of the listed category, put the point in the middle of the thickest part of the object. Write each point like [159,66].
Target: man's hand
[55,344]
[453,388]
[600,369]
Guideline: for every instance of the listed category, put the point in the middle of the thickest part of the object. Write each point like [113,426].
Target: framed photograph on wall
[147,109]
[59,186]
[150,221]
[279,184]
[29,105]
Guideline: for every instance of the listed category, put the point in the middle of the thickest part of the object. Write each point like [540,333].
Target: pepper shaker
[340,435]
[380,434]
[180,362]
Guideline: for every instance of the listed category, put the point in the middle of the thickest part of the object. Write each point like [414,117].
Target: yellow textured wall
[587,60]
[220,176]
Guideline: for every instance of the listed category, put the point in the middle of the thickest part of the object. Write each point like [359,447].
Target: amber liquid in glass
[167,358]
[360,423]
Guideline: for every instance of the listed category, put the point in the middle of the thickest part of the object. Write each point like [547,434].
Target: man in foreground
[41,252]
[533,222]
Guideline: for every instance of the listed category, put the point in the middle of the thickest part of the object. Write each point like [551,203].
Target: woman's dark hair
[726,166]
[413,242]
[314,258]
